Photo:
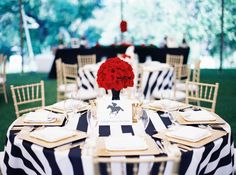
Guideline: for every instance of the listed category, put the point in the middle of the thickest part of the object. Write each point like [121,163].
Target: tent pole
[222,35]
[21,36]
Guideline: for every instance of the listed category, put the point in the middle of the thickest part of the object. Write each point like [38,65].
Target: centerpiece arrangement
[115,74]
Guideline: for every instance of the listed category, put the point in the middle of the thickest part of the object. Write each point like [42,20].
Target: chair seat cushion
[82,95]
[67,87]
[170,94]
[2,80]
[182,87]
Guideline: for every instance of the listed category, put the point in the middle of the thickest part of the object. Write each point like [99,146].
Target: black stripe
[75,159]
[92,74]
[32,153]
[83,123]
[16,152]
[147,84]
[104,130]
[166,120]
[84,86]
[160,86]
[185,161]
[224,160]
[207,150]
[10,170]
[127,129]
[155,83]
[50,156]
[88,79]
[150,129]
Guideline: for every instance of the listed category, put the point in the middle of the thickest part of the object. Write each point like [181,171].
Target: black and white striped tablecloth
[22,157]
[152,81]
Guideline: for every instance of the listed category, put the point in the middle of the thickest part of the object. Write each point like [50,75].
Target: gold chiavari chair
[206,94]
[63,84]
[174,59]
[161,161]
[184,74]
[3,77]
[70,77]
[86,59]
[28,97]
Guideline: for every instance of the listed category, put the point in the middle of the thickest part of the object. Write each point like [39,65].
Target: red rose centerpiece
[115,74]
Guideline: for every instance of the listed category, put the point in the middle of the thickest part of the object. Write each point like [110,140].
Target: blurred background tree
[98,20]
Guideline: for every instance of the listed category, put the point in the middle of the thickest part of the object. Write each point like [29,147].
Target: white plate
[189,133]
[52,134]
[41,116]
[125,143]
[198,116]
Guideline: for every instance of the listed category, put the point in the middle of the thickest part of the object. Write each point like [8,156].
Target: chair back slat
[86,59]
[70,74]
[135,162]
[174,59]
[31,95]
[202,93]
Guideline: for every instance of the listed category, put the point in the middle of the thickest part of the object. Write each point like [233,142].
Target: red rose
[115,74]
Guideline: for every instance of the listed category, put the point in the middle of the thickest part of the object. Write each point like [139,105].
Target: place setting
[40,117]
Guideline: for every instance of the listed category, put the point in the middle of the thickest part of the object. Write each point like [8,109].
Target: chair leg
[5,93]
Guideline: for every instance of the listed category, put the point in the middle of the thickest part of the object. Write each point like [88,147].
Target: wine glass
[92,120]
[163,107]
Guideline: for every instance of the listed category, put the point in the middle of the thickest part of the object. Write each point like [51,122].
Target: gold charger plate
[25,135]
[151,150]
[180,119]
[159,108]
[58,122]
[59,110]
[215,134]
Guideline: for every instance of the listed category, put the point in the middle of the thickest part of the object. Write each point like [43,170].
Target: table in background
[155,77]
[23,157]
[69,55]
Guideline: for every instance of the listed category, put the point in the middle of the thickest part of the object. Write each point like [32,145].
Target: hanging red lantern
[123,26]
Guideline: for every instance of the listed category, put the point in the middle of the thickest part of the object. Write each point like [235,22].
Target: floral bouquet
[115,74]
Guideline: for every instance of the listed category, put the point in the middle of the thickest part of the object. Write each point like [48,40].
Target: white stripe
[227,169]
[39,150]
[216,147]
[145,168]
[197,155]
[115,129]
[223,152]
[156,120]
[73,121]
[63,161]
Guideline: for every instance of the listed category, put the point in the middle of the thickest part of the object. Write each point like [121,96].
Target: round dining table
[24,157]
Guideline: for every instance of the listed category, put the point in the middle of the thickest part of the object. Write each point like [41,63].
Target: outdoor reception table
[156,76]
[69,55]
[23,157]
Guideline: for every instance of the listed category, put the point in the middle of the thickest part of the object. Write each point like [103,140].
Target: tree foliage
[148,22]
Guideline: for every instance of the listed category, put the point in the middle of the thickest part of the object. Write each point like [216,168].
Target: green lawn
[225,107]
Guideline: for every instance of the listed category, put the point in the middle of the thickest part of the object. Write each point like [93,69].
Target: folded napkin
[189,133]
[201,115]
[52,134]
[125,143]
[40,116]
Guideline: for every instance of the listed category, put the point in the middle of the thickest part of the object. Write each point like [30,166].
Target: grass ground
[226,106]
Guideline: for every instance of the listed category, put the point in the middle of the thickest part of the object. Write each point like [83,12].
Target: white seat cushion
[67,87]
[234,160]
[182,87]
[82,95]
[2,80]
[170,94]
